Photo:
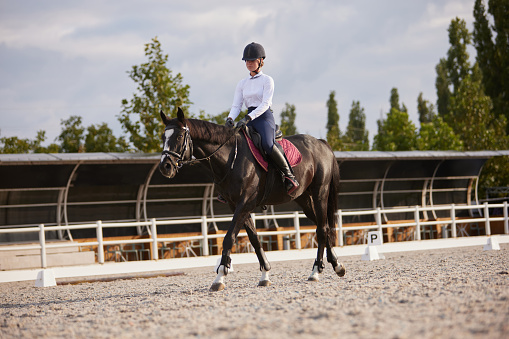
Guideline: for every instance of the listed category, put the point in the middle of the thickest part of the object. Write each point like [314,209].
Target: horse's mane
[205,130]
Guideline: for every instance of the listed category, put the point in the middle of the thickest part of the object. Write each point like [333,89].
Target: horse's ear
[181,117]
[164,118]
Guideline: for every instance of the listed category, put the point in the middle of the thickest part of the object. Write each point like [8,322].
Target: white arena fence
[452,225]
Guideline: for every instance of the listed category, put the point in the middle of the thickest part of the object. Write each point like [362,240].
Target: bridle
[188,143]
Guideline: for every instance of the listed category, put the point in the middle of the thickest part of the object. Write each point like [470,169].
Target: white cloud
[68,58]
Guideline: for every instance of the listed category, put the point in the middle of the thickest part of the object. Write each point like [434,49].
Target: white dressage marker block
[45,278]
[492,244]
[372,254]
[374,239]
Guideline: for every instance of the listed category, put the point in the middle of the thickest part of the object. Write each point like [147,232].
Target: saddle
[255,140]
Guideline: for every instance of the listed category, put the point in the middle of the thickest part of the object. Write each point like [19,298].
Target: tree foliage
[71,137]
[288,116]
[100,138]
[333,131]
[397,132]
[437,135]
[157,89]
[454,68]
[356,137]
[425,109]
[491,42]
[470,97]
[15,145]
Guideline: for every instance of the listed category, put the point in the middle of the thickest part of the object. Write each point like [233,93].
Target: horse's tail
[332,203]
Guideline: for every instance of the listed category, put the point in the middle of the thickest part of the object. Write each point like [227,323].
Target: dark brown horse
[242,182]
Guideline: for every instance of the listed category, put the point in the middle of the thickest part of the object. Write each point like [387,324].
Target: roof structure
[69,188]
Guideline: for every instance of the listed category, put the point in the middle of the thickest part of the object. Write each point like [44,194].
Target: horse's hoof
[340,270]
[217,287]
[264,283]
[313,278]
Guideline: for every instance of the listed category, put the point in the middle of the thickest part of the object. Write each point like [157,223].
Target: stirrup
[291,184]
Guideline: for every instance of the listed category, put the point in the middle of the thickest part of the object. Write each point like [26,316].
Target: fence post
[379,222]
[100,246]
[153,230]
[204,232]
[340,228]
[296,223]
[506,221]
[487,216]
[417,223]
[42,242]
[453,221]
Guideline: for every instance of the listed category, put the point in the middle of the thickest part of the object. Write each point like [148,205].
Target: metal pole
[204,232]
[42,241]
[453,220]
[417,224]
[100,246]
[340,228]
[153,229]
[296,223]
[487,216]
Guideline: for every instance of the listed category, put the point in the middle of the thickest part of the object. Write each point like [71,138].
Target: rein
[180,157]
[185,162]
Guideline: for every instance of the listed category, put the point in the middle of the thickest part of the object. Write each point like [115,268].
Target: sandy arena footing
[448,293]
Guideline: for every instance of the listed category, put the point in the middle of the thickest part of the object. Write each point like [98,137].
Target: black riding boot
[279,159]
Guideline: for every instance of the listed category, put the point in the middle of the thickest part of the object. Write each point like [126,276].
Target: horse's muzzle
[167,167]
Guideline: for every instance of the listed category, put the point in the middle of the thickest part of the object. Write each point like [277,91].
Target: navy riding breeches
[266,127]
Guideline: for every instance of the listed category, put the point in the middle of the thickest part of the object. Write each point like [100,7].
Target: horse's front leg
[225,264]
[260,253]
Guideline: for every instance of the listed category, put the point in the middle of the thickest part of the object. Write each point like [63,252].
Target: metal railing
[153,239]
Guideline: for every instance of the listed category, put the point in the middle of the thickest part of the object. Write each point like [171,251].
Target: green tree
[396,132]
[356,137]
[100,138]
[491,42]
[333,131]
[437,135]
[454,68]
[425,109]
[288,116]
[71,137]
[157,89]
[474,119]
[15,145]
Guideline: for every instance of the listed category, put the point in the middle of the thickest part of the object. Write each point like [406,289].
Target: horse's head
[177,144]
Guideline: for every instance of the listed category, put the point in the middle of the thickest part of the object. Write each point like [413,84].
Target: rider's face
[252,65]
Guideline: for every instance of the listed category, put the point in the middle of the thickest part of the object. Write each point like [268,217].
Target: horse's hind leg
[260,253]
[338,267]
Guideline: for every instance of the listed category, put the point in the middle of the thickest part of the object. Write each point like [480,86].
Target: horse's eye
[180,137]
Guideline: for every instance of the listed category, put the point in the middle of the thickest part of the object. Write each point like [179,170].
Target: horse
[245,185]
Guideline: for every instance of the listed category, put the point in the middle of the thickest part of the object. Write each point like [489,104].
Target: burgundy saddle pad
[292,153]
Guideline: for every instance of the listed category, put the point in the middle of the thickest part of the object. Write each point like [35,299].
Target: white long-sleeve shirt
[254,91]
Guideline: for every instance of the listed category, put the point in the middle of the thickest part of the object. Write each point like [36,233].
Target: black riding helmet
[253,51]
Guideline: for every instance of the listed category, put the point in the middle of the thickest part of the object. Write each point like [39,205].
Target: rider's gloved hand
[229,123]
[242,123]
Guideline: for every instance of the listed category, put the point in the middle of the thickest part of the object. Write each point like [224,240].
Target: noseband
[180,157]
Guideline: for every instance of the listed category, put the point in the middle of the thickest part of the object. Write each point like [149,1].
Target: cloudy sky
[60,58]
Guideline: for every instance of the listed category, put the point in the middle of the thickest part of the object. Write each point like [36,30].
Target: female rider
[256,92]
